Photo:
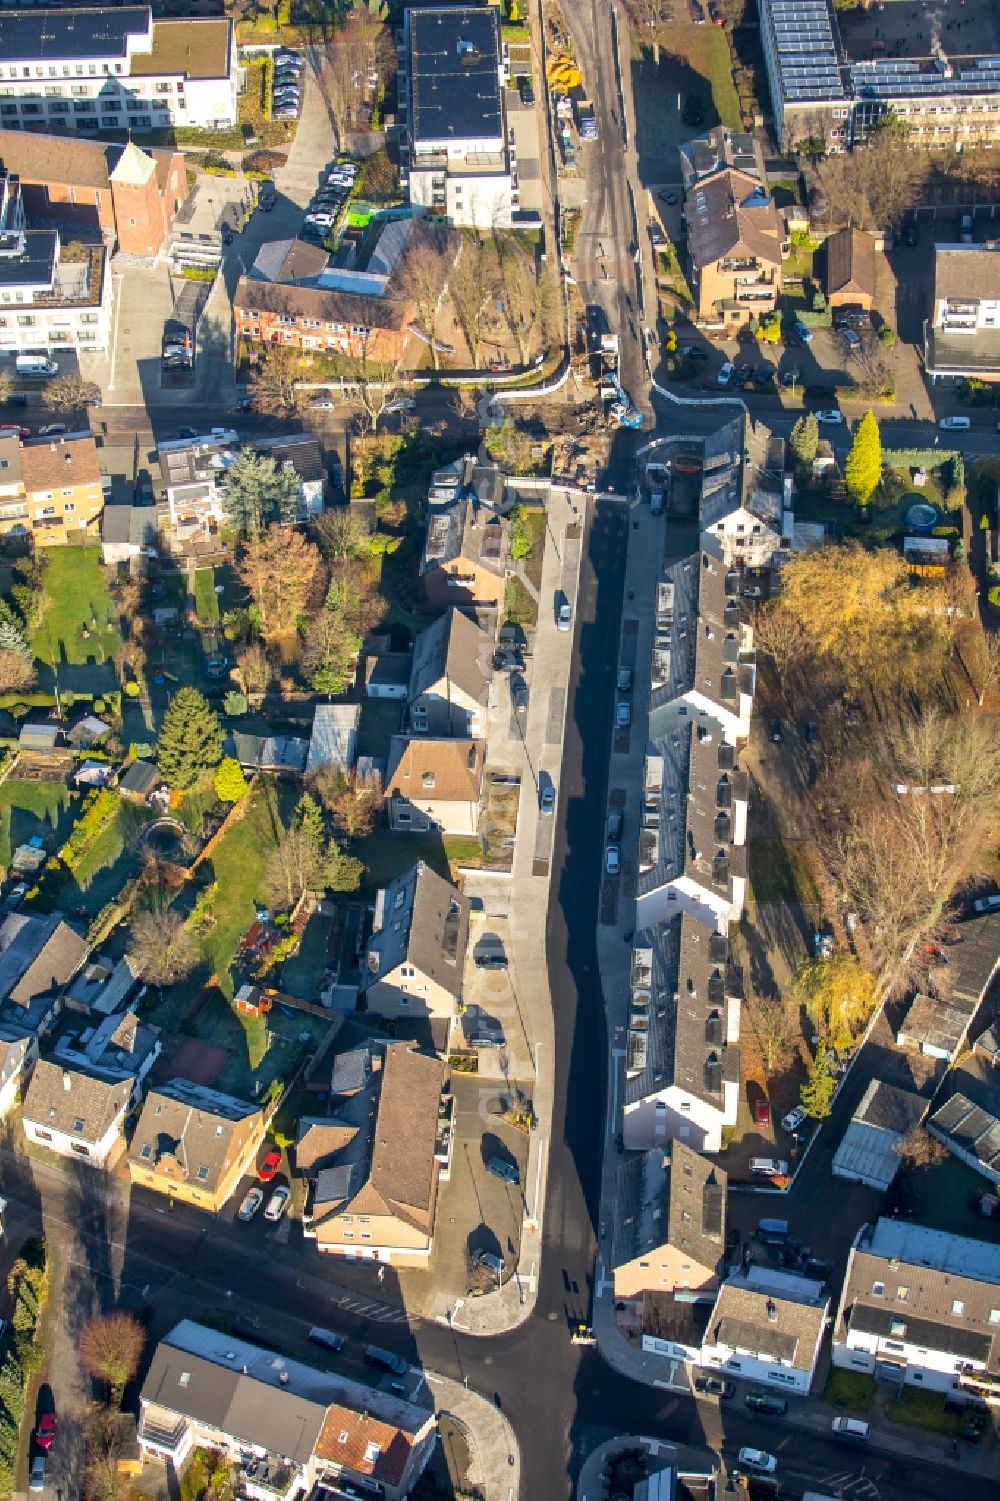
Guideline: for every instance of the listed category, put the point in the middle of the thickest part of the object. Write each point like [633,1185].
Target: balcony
[169,1439]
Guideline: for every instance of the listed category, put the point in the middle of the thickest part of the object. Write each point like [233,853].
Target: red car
[762,1114]
[269,1167]
[46,1430]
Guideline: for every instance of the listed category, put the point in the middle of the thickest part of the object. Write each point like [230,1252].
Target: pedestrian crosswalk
[366,1308]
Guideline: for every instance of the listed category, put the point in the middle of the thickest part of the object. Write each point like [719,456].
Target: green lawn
[76,599]
[779,874]
[206,601]
[944,1196]
[387,855]
[924,1410]
[519,607]
[239,861]
[849,1389]
[30,808]
[707,51]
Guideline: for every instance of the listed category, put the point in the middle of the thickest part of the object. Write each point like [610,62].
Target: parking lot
[491,1001]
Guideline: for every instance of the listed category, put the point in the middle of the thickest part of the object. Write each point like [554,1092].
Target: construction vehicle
[586,118]
[582,1334]
[622,412]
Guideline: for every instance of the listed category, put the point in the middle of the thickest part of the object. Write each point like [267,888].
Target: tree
[273,387]
[190,742]
[353,593]
[16,674]
[356,805]
[341,534]
[234,704]
[471,284]
[162,948]
[520,294]
[918,1148]
[329,652]
[984,668]
[372,385]
[293,867]
[12,635]
[71,393]
[772,1026]
[779,635]
[259,491]
[863,468]
[423,276]
[110,1349]
[838,995]
[309,819]
[820,1085]
[282,571]
[342,872]
[875,363]
[6,386]
[253,669]
[877,183]
[803,440]
[230,783]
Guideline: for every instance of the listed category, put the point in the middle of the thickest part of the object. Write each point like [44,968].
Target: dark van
[385,1360]
[772,1232]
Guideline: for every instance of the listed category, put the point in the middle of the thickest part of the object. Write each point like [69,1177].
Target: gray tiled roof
[38,956]
[77,1102]
[424,922]
[452,647]
[674,1196]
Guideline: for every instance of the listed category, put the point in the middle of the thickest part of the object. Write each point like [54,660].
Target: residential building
[450,679]
[968,1120]
[115,69]
[818,92]
[458,163]
[279,754]
[742,509]
[465,555]
[416,953]
[355,303]
[120,1046]
[767,1326]
[850,272]
[51,296]
[18,1051]
[193,471]
[718,149]
[921,1308]
[77,1112]
[127,532]
[61,487]
[682,1059]
[334,738]
[194,1143]
[127,194]
[869,1150]
[375,1197]
[736,237]
[103,986]
[290,1429]
[669,1230]
[38,958]
[434,785]
[962,334]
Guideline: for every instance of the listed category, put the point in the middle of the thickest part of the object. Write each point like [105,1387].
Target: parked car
[286,112]
[490,1260]
[766,1403]
[53,430]
[714,1386]
[762,1114]
[802,332]
[793,1121]
[623,714]
[269,1167]
[508,661]
[501,1168]
[624,679]
[491,959]
[830,419]
[564,615]
[758,1460]
[251,1204]
[955,424]
[322,403]
[851,1428]
[525,90]
[768,1167]
[385,1360]
[36,1480]
[46,1431]
[547,800]
[277,1204]
[401,404]
[326,1338]
[850,338]
[615,821]
[15,432]
[790,377]
[987,903]
[322,219]
[763,376]
[519,695]
[267,197]
[612,860]
[725,375]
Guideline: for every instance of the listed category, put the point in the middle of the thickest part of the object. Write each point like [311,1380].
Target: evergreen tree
[190,741]
[259,491]
[12,636]
[309,818]
[341,872]
[803,440]
[863,469]
[230,783]
[817,1091]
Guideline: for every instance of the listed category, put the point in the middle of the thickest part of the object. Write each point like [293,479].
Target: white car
[401,404]
[251,1204]
[833,419]
[321,221]
[725,375]
[794,1119]
[612,860]
[759,1460]
[277,1204]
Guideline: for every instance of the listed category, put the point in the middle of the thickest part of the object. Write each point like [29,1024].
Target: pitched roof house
[377,1199]
[767,1326]
[18,1050]
[77,1112]
[465,554]
[434,784]
[850,269]
[669,1230]
[194,1143]
[416,953]
[38,958]
[921,1307]
[735,237]
[450,678]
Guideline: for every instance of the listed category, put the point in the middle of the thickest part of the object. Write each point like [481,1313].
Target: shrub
[994,596]
[887,335]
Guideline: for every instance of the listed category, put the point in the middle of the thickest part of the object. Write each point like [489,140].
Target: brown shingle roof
[49,158]
[319,1141]
[316,302]
[761,1321]
[449,771]
[850,262]
[359,1442]
[59,1097]
[187,1129]
[966,271]
[54,463]
[402,1173]
[727,216]
[194,48]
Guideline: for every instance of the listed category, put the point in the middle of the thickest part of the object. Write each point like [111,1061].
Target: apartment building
[77,1112]
[669,1231]
[767,1326]
[450,679]
[921,1308]
[962,333]
[736,237]
[50,489]
[817,90]
[682,1058]
[465,555]
[415,959]
[110,69]
[193,471]
[194,1143]
[289,1430]
[459,160]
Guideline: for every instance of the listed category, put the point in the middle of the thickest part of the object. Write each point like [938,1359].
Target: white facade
[471,199]
[972,313]
[33,318]
[678,1115]
[68,1145]
[767,1326]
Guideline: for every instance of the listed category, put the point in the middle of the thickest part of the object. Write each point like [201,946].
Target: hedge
[916,458]
[815,320]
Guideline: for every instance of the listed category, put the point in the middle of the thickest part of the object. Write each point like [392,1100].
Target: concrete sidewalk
[511,1304]
[495,1467]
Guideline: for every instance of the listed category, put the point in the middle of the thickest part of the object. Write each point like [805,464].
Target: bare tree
[358,62]
[875,364]
[918,1148]
[876,184]
[293,868]
[283,572]
[472,283]
[772,1022]
[162,948]
[71,393]
[340,534]
[253,669]
[110,1348]
[779,635]
[373,385]
[273,385]
[984,667]
[423,277]
[354,805]
[520,294]
[16,672]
